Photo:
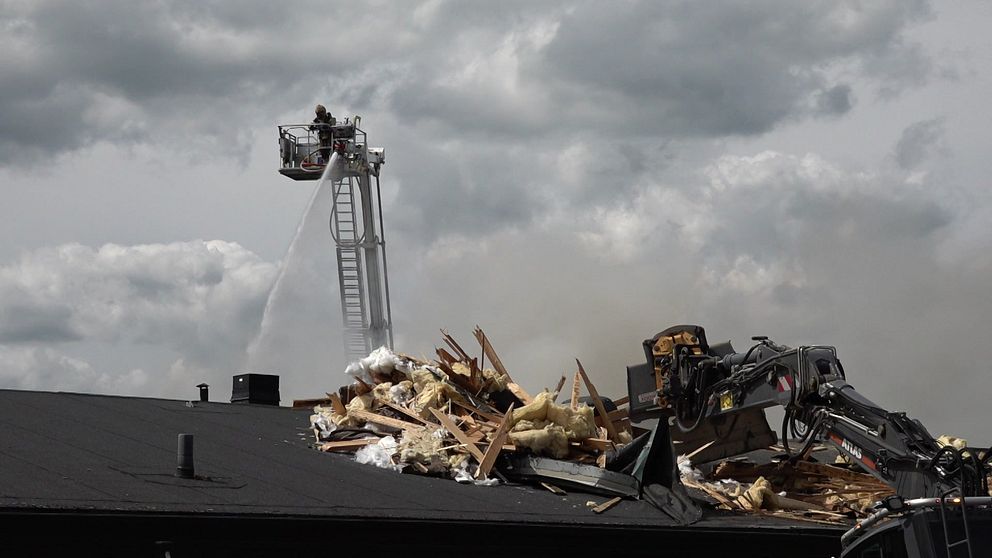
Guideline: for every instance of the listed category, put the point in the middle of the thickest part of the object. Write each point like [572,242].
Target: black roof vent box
[259,389]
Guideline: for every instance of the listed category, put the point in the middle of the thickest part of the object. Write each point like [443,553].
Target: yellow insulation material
[761,496]
[381,392]
[550,440]
[546,427]
[431,393]
[361,403]
[425,448]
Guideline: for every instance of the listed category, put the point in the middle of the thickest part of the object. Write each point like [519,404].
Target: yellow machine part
[664,346]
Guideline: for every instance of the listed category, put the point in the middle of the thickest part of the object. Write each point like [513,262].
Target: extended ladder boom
[355,223]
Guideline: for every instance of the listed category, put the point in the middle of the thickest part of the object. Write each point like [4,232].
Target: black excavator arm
[709,388]
[712,396]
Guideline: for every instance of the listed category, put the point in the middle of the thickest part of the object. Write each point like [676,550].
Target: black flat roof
[94,456]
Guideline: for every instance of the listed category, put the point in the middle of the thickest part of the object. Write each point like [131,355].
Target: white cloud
[44,368]
[199,299]
[198,77]
[178,293]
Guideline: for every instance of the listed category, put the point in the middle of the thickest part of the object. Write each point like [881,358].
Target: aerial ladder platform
[339,154]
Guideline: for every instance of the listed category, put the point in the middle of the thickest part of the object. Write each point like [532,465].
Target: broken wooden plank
[310,403]
[336,404]
[519,392]
[461,375]
[385,421]
[557,391]
[576,390]
[445,356]
[487,349]
[607,505]
[497,444]
[699,450]
[715,494]
[597,402]
[462,355]
[554,489]
[834,472]
[808,482]
[445,368]
[490,352]
[831,492]
[458,434]
[347,445]
[407,412]
[488,416]
[475,375]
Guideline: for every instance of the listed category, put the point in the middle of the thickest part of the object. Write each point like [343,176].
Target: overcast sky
[573,177]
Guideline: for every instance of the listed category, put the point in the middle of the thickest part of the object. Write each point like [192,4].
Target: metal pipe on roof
[184,457]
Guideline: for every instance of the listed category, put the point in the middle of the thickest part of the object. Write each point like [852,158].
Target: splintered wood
[607,505]
[802,490]
[610,427]
[455,415]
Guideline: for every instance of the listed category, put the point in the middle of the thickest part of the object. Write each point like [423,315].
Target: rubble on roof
[803,490]
[454,416]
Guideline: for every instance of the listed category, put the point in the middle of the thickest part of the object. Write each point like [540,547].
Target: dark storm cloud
[773,204]
[592,86]
[918,142]
[672,68]
[467,188]
[79,73]
[33,324]
[835,101]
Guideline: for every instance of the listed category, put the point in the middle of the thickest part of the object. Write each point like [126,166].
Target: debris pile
[453,416]
[802,490]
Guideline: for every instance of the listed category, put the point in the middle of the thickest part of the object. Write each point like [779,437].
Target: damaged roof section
[77,467]
[456,418]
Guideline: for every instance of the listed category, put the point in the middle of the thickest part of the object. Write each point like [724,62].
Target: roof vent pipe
[204,392]
[184,457]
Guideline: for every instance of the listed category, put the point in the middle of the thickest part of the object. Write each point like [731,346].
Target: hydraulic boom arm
[704,385]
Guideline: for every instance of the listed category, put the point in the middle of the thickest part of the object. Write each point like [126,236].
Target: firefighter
[322,124]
